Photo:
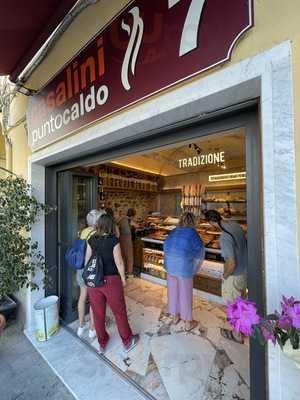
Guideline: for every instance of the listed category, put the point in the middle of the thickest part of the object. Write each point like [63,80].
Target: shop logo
[136,35]
[189,35]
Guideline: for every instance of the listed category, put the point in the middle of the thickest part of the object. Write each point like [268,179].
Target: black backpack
[93,272]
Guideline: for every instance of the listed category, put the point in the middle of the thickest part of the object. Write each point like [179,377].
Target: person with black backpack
[104,276]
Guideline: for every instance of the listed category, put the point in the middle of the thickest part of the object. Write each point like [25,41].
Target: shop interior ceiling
[166,161]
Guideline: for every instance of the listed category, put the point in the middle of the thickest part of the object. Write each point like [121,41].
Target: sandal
[228,334]
[176,320]
[192,325]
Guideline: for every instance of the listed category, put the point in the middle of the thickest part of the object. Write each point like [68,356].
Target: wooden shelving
[230,198]
[115,179]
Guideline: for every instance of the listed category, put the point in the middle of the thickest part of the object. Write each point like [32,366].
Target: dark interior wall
[142,202]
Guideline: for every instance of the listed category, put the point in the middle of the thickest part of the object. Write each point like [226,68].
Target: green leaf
[272,317]
[19,258]
[258,335]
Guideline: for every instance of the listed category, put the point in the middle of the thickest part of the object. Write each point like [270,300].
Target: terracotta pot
[292,354]
[2,322]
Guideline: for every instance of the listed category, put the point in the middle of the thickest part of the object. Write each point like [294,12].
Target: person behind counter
[127,227]
[110,212]
[184,253]
[234,251]
[106,243]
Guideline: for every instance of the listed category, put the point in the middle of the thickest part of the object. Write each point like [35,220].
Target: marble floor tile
[184,363]
[170,363]
[239,355]
[233,386]
[214,336]
[130,305]
[152,382]
[224,382]
[144,319]
[219,312]
[138,358]
[118,358]
[207,318]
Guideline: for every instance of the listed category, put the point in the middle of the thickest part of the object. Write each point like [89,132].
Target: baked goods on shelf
[206,238]
[213,232]
[215,244]
[158,235]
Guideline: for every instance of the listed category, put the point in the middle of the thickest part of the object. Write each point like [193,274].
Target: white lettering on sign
[189,36]
[133,45]
[203,159]
[86,104]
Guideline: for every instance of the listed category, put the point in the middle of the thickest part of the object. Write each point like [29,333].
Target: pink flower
[287,303]
[284,322]
[294,314]
[268,334]
[242,315]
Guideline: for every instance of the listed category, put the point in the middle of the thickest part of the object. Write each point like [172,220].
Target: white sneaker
[81,330]
[92,333]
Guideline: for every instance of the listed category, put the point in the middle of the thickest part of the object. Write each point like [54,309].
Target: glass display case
[208,279]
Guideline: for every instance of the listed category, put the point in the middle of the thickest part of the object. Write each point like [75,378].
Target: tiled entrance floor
[170,363]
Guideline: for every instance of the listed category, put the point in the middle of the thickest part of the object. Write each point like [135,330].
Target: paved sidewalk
[24,375]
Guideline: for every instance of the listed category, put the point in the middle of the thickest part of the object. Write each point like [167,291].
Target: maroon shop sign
[147,47]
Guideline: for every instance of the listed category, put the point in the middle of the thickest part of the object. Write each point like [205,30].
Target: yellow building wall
[2,154]
[275,21]
[17,160]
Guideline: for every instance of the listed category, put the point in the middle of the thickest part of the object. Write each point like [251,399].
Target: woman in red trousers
[107,244]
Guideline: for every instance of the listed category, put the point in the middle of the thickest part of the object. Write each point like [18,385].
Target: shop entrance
[200,167]
[77,195]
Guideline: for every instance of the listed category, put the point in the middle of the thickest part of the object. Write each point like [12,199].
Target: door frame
[245,117]
[64,231]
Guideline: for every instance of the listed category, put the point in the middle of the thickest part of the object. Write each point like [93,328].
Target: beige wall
[17,161]
[2,154]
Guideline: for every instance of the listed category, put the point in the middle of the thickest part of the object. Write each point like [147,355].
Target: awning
[25,25]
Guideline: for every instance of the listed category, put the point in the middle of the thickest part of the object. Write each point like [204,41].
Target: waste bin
[46,318]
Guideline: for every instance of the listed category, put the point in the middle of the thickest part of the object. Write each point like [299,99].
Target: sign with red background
[149,46]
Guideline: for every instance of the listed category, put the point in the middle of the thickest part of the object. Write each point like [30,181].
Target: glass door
[77,195]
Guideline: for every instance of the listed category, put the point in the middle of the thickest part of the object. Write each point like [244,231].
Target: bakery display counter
[153,263]
[209,278]
[209,236]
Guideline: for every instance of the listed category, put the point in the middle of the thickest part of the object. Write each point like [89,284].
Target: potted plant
[20,258]
[282,327]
